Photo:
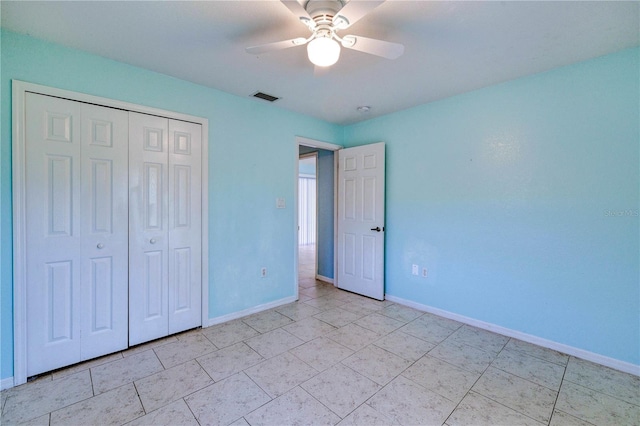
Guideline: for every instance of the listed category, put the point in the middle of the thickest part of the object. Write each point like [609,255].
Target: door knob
[377,229]
[100,245]
[152,241]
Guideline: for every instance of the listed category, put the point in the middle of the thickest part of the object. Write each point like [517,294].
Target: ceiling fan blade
[278,45]
[382,48]
[300,12]
[353,11]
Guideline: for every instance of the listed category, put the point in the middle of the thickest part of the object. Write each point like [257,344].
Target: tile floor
[330,358]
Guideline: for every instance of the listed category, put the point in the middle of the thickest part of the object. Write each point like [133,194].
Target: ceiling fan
[325,18]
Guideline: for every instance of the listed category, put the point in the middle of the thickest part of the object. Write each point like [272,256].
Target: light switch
[280,203]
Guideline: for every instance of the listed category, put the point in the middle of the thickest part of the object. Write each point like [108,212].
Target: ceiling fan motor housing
[323,11]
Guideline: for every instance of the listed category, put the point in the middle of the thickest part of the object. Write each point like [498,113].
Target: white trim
[325,279]
[19,90]
[6,383]
[313,143]
[249,311]
[616,364]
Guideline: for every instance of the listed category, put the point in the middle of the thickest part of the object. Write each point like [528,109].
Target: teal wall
[514,196]
[248,141]
[522,201]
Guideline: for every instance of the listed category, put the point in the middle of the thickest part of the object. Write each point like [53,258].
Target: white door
[76,258]
[164,227]
[361,181]
[148,227]
[104,204]
[185,253]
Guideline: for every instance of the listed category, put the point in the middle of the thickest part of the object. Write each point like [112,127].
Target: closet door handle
[100,245]
[377,229]
[152,241]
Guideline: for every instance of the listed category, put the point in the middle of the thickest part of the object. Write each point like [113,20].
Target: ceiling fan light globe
[323,51]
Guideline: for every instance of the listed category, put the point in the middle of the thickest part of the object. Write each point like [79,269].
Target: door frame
[19,90]
[313,143]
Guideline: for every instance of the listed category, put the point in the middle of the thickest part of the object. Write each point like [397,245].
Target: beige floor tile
[38,421]
[536,351]
[443,378]
[408,347]
[297,311]
[309,328]
[229,333]
[240,422]
[478,410]
[325,302]
[296,407]
[621,385]
[280,374]
[377,364]
[36,399]
[534,369]
[115,407]
[595,407]
[321,353]
[169,385]
[359,309]
[560,418]
[428,330]
[525,397]
[273,343]
[125,370]
[175,414]
[341,389]
[86,365]
[149,345]
[463,356]
[481,339]
[379,323]
[410,404]
[229,361]
[353,336]
[364,415]
[401,313]
[266,321]
[186,348]
[337,317]
[226,401]
[429,319]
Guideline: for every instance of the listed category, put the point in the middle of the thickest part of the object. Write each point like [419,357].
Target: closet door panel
[53,281]
[148,228]
[185,284]
[104,202]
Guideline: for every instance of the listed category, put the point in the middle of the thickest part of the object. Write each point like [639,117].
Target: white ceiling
[450,47]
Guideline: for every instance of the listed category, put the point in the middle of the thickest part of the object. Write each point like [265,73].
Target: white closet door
[104,204]
[185,303]
[74,195]
[148,228]
[53,232]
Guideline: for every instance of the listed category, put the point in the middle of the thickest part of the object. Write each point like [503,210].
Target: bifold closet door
[76,215]
[164,227]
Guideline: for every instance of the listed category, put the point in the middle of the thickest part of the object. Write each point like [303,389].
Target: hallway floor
[332,357]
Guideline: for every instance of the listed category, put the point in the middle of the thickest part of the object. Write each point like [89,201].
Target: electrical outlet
[414,269]
[424,272]
[263,272]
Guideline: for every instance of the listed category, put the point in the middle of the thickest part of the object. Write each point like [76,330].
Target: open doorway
[307,218]
[315,213]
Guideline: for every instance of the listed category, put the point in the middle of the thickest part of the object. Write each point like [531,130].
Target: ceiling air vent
[266,97]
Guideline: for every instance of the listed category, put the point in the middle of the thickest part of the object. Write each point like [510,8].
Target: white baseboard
[616,364]
[325,279]
[253,310]
[6,383]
